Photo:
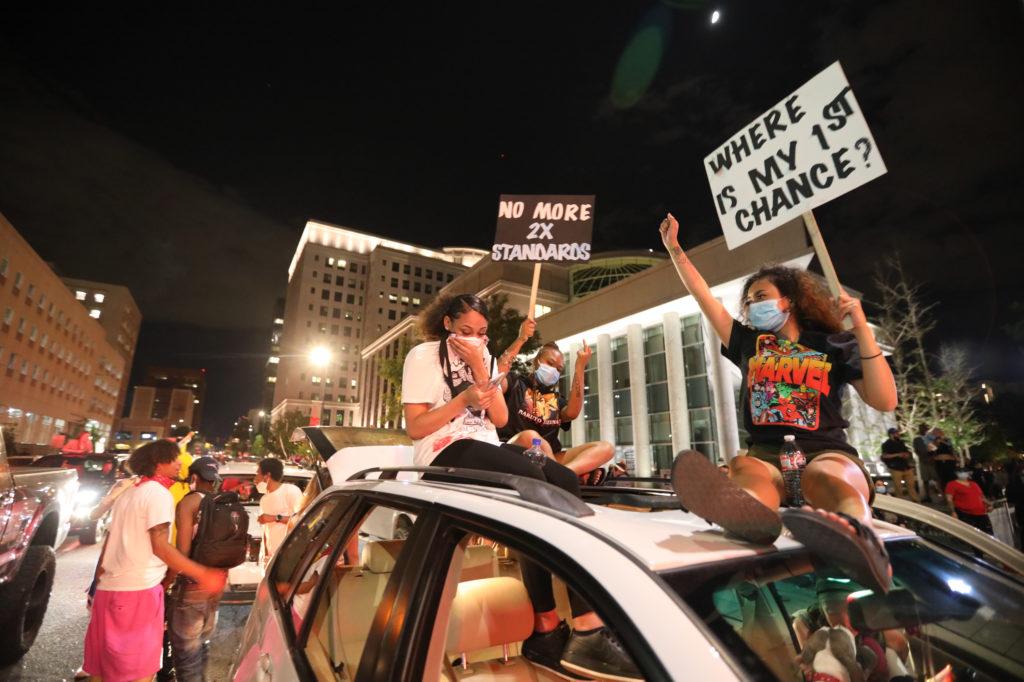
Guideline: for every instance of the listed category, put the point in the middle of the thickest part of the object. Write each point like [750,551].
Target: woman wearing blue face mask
[797,363]
[536,408]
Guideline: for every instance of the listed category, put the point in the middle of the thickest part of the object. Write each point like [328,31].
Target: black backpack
[222,539]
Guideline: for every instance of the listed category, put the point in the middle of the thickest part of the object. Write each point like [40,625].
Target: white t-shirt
[284,501]
[423,382]
[128,560]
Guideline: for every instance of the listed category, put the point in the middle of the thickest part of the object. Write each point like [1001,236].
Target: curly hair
[144,460]
[812,304]
[431,320]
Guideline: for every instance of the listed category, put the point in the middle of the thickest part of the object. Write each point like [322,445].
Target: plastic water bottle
[792,462]
[535,454]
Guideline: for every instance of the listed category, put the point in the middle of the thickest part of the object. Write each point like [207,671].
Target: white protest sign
[808,149]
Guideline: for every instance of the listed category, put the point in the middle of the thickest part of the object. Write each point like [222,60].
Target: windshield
[780,615]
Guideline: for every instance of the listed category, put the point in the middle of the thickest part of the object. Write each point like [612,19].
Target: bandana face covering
[165,481]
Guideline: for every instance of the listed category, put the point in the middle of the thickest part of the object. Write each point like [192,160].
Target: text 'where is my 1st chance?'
[810,148]
[544,228]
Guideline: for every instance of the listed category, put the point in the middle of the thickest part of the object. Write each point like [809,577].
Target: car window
[934,534]
[486,579]
[353,570]
[944,610]
[312,537]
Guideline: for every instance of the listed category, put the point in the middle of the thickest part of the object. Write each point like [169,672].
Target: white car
[687,602]
[243,579]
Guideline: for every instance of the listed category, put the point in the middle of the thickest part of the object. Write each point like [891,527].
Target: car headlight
[86,497]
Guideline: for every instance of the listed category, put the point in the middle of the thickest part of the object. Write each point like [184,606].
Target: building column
[720,382]
[638,399]
[579,424]
[676,371]
[604,388]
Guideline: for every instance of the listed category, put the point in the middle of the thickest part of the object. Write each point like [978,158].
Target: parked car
[96,474]
[686,601]
[35,515]
[237,475]
[953,534]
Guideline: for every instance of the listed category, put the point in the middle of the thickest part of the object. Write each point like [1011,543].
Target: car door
[334,597]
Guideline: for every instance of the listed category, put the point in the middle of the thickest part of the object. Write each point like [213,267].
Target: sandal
[596,476]
[862,557]
[708,493]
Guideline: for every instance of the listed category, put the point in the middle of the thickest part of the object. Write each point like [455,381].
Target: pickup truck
[35,515]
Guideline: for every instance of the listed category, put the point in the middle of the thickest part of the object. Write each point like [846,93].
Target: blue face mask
[766,316]
[547,375]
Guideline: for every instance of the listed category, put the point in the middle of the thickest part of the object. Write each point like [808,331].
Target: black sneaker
[600,654]
[545,649]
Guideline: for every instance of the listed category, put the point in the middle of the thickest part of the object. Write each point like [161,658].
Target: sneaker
[545,649]
[600,654]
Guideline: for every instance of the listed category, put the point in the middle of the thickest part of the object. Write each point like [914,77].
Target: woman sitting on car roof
[452,411]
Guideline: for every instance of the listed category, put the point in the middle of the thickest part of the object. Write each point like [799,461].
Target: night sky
[181,154]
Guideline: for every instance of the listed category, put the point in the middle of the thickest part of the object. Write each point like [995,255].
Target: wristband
[871,357]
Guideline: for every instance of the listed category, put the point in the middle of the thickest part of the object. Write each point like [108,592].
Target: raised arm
[878,387]
[718,316]
[526,330]
[575,402]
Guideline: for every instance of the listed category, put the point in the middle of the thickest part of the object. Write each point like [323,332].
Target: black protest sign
[546,228]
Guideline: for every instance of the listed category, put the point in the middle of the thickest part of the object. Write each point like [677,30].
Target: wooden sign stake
[533,291]
[826,261]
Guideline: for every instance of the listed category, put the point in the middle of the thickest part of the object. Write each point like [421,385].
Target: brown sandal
[708,493]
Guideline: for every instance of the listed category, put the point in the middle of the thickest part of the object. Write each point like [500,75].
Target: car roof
[660,540]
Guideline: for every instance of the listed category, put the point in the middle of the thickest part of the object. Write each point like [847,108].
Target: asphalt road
[57,652]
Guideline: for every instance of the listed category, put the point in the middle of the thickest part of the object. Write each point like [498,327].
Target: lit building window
[341,264]
[274,360]
[79,295]
[98,297]
[271,380]
[94,313]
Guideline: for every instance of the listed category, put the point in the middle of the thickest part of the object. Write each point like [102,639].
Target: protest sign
[544,228]
[810,148]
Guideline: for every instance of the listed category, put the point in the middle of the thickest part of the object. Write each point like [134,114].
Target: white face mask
[261,487]
[471,340]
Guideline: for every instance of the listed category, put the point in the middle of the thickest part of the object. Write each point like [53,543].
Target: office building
[166,396]
[345,288]
[58,371]
[115,309]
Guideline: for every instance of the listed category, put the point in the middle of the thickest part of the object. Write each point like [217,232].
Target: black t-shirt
[892,447]
[536,407]
[795,387]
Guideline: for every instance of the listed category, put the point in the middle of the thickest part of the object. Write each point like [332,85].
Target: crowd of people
[164,562]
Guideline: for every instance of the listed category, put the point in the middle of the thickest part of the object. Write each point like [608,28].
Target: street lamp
[319,356]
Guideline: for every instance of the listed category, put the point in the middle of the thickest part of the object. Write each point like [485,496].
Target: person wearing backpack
[213,529]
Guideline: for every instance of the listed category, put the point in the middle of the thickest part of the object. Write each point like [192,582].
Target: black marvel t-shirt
[892,447]
[536,407]
[795,387]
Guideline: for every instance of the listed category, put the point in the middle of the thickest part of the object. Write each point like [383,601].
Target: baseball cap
[893,429]
[205,468]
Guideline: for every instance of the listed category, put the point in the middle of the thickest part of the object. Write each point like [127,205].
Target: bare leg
[524,439]
[585,458]
[759,479]
[834,483]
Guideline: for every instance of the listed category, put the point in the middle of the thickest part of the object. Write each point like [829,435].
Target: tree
[904,321]
[954,402]
[259,446]
[281,433]
[503,329]
[390,370]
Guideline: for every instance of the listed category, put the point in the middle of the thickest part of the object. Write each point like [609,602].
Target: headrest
[489,612]
[380,556]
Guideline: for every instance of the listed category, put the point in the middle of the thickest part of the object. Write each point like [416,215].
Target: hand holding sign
[850,306]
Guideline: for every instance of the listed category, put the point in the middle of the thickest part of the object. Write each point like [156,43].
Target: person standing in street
[193,610]
[967,502]
[278,503]
[896,456]
[925,451]
[123,640]
[944,459]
